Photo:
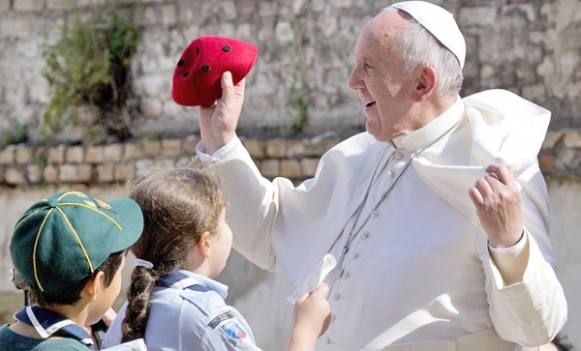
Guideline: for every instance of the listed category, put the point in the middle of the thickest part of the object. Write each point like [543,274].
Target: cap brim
[131,220]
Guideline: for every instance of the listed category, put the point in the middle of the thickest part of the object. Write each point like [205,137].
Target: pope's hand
[218,123]
[497,200]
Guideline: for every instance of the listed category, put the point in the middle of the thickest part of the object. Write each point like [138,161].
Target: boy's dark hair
[73,294]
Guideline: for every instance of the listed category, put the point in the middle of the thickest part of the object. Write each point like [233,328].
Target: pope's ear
[426,83]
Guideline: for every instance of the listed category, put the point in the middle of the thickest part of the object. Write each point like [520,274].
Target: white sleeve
[218,154]
[244,188]
[274,222]
[532,310]
[511,250]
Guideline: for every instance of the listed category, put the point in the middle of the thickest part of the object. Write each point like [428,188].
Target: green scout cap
[62,240]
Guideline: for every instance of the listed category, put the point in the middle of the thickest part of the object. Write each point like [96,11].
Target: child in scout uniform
[69,249]
[173,302]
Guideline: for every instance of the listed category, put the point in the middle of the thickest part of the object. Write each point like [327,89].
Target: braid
[138,301]
[178,205]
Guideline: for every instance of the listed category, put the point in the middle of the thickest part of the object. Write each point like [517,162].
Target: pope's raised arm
[275,218]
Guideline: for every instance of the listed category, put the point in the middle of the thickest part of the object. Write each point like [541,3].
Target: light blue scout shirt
[190,315]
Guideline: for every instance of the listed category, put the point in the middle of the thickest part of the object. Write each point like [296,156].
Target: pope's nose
[355,82]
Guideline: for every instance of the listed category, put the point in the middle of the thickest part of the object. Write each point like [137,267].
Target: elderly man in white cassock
[437,216]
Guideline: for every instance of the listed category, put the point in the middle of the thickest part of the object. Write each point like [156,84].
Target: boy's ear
[94,285]
[204,244]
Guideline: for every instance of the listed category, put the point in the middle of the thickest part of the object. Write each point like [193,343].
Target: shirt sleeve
[61,344]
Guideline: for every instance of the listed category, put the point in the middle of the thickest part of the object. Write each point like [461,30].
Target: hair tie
[143,263]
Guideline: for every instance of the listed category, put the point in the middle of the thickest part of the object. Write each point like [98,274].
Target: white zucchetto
[439,22]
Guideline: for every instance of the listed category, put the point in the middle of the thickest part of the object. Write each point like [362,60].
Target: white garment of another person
[419,272]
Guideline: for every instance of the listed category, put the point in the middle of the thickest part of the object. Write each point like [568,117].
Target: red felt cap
[196,78]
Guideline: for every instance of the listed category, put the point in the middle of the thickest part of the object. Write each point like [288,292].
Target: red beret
[196,78]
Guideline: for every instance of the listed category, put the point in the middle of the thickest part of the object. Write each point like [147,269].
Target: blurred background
[85,104]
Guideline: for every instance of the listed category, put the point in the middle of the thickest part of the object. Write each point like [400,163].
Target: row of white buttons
[365,235]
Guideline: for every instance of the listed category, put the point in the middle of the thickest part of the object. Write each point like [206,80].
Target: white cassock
[418,274]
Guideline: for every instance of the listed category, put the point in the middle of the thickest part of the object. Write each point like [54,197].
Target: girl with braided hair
[173,302]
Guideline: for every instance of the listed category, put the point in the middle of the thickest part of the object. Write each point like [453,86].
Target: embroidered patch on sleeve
[220,318]
[233,330]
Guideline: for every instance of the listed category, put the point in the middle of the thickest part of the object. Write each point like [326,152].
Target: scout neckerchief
[48,323]
[355,230]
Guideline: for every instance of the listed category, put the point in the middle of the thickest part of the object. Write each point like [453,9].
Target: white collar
[429,133]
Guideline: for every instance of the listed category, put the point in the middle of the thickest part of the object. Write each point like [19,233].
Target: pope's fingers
[503,173]
[495,184]
[239,88]
[476,197]
[484,188]
[241,84]
[227,86]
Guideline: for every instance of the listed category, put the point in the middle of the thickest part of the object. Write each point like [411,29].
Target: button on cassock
[344,274]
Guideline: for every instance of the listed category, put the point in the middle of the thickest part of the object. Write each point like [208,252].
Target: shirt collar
[208,283]
[429,133]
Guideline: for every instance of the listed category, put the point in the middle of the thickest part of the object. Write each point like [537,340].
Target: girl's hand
[312,317]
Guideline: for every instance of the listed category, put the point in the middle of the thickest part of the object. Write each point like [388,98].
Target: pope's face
[384,88]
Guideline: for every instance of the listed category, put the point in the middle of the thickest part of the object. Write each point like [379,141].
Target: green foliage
[40,160]
[301,107]
[14,134]
[299,91]
[90,66]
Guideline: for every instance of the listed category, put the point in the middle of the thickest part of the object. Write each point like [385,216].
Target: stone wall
[22,165]
[530,47]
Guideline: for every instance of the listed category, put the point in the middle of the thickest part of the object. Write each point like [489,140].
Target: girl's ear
[204,244]
[94,285]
